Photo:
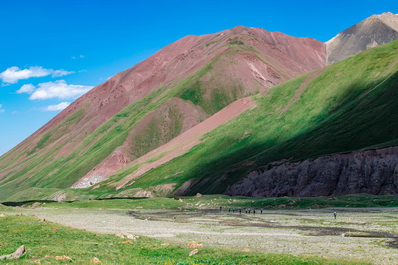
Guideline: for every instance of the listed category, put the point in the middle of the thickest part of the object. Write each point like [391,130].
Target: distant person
[335,215]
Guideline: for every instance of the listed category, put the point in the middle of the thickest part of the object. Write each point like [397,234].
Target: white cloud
[1,108]
[58,89]
[28,88]
[60,106]
[13,74]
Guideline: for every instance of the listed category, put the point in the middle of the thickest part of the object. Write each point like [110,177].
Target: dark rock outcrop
[370,171]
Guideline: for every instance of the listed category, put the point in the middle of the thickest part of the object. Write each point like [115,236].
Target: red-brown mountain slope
[149,104]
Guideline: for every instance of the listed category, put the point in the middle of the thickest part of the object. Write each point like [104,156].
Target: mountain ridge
[149,104]
[369,33]
[202,113]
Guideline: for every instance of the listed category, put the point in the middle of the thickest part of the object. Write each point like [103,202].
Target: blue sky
[53,51]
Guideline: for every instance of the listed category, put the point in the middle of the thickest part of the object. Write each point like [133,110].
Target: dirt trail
[297,232]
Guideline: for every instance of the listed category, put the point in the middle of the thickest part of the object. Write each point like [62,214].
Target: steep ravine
[370,171]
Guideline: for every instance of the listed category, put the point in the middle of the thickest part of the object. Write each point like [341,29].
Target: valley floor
[365,234]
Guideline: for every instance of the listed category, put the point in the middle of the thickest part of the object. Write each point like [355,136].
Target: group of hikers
[243,210]
[253,211]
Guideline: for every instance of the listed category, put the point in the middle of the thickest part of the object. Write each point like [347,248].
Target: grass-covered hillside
[150,104]
[347,106]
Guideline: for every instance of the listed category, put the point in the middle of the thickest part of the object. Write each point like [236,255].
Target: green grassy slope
[41,167]
[347,106]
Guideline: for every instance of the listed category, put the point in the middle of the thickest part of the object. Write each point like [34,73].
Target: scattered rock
[193,252]
[198,195]
[36,204]
[119,234]
[193,244]
[132,237]
[35,261]
[165,244]
[246,250]
[19,214]
[63,258]
[126,235]
[42,220]
[2,215]
[95,260]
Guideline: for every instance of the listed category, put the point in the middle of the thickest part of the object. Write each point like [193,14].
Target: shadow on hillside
[360,121]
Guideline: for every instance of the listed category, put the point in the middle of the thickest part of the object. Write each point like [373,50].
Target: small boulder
[63,258]
[19,252]
[193,252]
[193,244]
[95,260]
[36,204]
[16,255]
[132,237]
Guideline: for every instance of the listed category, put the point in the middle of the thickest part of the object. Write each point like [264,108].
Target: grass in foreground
[45,241]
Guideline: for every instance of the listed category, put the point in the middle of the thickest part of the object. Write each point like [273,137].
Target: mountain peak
[371,32]
[389,19]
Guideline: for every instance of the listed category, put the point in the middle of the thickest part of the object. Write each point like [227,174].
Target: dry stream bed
[370,234]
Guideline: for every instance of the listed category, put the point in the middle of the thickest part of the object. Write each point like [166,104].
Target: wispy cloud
[78,57]
[60,106]
[58,89]
[13,74]
[28,88]
[1,108]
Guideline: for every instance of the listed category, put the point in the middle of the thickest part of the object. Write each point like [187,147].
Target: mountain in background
[210,114]
[148,105]
[371,32]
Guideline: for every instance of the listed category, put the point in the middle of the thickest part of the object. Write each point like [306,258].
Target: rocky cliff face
[371,32]
[370,171]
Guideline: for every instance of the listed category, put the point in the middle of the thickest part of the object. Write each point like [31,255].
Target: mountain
[243,112]
[371,32]
[329,132]
[145,107]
